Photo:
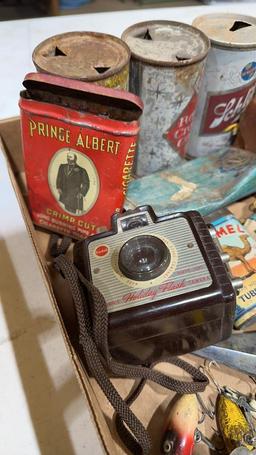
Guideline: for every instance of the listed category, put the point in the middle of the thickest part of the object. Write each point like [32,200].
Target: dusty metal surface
[166,43]
[168,88]
[234,30]
[87,56]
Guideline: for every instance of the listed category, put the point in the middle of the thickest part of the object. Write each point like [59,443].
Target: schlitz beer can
[87,56]
[229,82]
[79,143]
[166,69]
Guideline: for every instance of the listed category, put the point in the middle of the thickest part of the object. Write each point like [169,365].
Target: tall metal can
[229,81]
[86,56]
[166,69]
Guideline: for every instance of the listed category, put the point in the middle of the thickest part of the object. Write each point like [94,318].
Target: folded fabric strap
[92,317]
[59,245]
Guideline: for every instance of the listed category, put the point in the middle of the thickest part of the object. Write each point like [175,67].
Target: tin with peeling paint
[229,82]
[166,69]
[87,56]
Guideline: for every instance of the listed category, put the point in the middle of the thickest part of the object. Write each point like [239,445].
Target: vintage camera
[167,286]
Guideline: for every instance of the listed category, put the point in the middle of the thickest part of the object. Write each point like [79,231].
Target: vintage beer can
[229,82]
[87,56]
[79,143]
[241,249]
[166,69]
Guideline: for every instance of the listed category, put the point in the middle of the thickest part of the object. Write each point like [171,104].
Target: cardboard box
[153,405]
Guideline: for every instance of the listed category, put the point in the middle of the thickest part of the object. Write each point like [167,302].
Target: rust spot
[187,75]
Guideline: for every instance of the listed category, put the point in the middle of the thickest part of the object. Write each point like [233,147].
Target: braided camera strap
[92,317]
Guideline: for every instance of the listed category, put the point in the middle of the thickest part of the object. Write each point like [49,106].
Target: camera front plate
[187,271]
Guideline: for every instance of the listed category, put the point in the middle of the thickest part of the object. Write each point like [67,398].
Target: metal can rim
[154,62]
[100,77]
[221,43]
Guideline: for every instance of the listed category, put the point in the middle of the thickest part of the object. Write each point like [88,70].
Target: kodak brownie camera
[165,282]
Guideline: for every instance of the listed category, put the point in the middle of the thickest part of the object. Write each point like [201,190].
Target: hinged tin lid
[166,43]
[82,96]
[86,56]
[228,30]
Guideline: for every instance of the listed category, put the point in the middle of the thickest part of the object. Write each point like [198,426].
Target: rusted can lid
[166,43]
[228,30]
[87,56]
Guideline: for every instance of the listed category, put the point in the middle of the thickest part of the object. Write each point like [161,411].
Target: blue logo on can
[248,71]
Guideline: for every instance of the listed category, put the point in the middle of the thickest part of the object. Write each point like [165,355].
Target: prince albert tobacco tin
[79,143]
[229,82]
[86,56]
[166,69]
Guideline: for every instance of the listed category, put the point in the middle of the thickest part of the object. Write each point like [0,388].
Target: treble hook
[253,378]
[205,411]
[200,437]
[206,370]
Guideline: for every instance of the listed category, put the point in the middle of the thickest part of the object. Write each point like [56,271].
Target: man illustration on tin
[72,184]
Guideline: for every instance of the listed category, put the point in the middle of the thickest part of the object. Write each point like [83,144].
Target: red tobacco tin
[79,144]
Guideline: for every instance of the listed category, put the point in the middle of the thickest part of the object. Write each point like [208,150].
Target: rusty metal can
[229,81]
[79,142]
[87,56]
[166,69]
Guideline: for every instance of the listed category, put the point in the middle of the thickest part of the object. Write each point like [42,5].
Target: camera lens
[144,257]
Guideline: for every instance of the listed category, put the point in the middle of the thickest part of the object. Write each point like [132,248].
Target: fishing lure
[234,415]
[181,425]
[247,404]
[233,424]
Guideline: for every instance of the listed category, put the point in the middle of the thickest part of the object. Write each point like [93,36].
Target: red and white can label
[179,132]
[223,109]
